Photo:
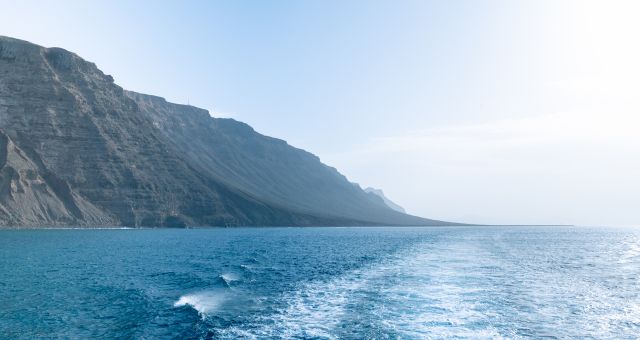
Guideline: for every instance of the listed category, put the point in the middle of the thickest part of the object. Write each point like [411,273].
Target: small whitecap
[228,278]
[204,302]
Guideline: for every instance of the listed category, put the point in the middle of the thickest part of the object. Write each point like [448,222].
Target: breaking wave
[228,279]
[205,303]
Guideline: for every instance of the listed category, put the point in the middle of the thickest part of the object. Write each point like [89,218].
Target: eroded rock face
[78,150]
[30,194]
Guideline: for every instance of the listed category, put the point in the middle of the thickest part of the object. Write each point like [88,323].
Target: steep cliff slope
[266,167]
[387,201]
[76,149]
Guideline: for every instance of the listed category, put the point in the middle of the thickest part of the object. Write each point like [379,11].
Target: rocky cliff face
[78,150]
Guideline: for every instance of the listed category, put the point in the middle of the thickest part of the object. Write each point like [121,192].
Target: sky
[493,112]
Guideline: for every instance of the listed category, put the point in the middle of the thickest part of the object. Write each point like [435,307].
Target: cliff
[78,150]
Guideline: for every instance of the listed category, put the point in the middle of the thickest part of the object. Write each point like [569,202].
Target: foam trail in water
[322,309]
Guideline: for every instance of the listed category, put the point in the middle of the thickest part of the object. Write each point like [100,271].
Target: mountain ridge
[387,201]
[83,151]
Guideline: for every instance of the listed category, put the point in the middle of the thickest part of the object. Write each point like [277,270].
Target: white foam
[321,309]
[230,277]
[480,288]
[204,302]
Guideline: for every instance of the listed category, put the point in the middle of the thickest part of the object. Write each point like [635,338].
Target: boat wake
[386,297]
[461,287]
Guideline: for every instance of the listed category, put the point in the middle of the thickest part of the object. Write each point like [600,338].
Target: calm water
[321,283]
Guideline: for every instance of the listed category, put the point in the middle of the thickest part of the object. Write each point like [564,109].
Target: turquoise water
[321,283]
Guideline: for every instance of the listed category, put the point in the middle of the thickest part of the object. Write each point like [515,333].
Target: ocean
[321,283]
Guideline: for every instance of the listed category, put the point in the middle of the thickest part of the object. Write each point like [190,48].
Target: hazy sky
[472,111]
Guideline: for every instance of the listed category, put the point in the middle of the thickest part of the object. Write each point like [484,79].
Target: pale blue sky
[475,111]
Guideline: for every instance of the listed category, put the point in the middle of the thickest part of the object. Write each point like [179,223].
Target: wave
[246,267]
[228,278]
[632,253]
[205,303]
[252,260]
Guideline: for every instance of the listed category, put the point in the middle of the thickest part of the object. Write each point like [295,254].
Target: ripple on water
[464,289]
[322,283]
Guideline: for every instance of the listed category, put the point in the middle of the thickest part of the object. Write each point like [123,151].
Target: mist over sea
[321,283]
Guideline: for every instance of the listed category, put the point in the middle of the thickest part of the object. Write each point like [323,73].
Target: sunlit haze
[522,112]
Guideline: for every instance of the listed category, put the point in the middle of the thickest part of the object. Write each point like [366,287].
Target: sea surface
[321,283]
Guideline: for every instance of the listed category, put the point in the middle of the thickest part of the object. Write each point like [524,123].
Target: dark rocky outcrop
[78,150]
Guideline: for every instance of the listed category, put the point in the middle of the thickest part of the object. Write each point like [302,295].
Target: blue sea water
[321,283]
